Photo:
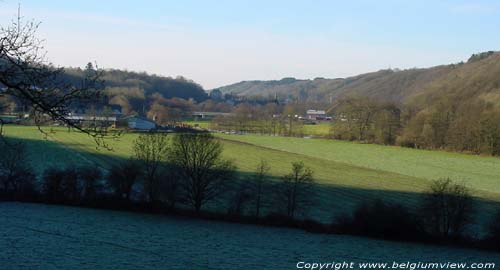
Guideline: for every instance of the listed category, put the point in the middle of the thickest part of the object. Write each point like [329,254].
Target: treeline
[181,173]
[135,92]
[168,87]
[467,126]
[471,126]
[187,175]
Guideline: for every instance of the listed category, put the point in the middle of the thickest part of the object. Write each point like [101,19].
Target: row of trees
[190,170]
[363,119]
[473,126]
[465,126]
[447,212]
[187,169]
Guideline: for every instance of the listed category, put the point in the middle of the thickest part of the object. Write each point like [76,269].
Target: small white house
[141,123]
[316,115]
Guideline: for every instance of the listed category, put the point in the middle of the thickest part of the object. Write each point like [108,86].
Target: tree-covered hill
[168,87]
[134,92]
[478,77]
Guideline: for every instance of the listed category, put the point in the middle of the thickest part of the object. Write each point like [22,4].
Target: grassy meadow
[198,123]
[322,129]
[348,173]
[319,130]
[481,173]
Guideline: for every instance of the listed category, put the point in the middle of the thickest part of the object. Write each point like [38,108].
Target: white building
[316,115]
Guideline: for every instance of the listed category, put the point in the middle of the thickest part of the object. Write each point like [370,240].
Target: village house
[316,115]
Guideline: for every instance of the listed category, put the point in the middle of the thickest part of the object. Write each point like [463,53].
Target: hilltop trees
[201,168]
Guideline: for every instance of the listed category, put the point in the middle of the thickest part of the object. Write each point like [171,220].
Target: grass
[198,123]
[36,236]
[318,130]
[347,172]
[480,173]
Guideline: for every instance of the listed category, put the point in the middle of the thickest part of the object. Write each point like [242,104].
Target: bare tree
[296,190]
[241,195]
[447,209]
[26,75]
[259,182]
[151,150]
[356,116]
[122,178]
[203,171]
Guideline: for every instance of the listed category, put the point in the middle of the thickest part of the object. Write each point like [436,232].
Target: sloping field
[480,173]
[348,173]
[56,237]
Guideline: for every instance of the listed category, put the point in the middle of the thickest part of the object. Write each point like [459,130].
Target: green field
[318,130]
[348,172]
[481,173]
[198,123]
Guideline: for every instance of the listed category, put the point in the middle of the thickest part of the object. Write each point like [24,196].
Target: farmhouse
[140,123]
[316,115]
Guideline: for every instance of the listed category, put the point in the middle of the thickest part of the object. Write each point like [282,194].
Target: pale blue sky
[221,42]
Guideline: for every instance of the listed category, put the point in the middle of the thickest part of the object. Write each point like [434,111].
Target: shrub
[17,180]
[61,185]
[379,219]
[122,178]
[492,240]
[447,209]
[89,177]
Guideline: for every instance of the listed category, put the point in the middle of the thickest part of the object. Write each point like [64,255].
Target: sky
[216,43]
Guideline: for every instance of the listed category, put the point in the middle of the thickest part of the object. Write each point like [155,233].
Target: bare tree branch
[27,75]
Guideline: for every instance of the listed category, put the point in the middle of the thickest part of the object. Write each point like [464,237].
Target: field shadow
[330,200]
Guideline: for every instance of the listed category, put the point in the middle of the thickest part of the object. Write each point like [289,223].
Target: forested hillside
[454,107]
[390,85]
[478,77]
[134,92]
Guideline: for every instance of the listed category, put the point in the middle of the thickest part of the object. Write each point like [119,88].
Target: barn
[141,123]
